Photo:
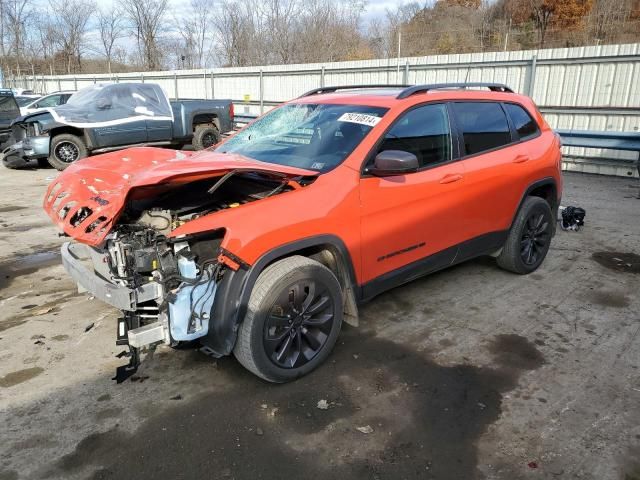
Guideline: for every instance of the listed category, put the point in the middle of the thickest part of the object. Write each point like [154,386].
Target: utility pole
[506,37]
[399,44]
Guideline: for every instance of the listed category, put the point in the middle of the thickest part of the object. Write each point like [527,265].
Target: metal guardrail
[629,141]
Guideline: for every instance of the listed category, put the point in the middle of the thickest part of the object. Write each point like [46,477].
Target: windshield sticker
[361,118]
[317,166]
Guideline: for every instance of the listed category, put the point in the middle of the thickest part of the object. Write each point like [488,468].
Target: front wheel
[529,238]
[293,320]
[66,149]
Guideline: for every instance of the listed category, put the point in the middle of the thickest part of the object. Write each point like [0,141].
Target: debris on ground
[38,342]
[572,218]
[264,406]
[366,429]
[176,397]
[273,412]
[532,464]
[323,405]
[259,432]
[89,327]
[37,337]
[482,405]
[42,311]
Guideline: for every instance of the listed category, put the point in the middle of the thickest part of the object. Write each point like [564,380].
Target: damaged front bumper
[23,152]
[74,256]
[151,314]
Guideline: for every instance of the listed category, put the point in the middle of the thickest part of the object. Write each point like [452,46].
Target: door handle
[452,177]
[521,159]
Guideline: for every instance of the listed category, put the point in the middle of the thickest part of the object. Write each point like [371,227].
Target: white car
[52,100]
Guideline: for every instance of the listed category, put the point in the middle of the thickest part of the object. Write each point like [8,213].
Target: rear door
[409,223]
[492,164]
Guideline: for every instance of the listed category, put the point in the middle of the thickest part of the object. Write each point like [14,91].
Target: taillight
[231,112]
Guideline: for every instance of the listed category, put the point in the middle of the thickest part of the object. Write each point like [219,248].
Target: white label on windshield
[361,118]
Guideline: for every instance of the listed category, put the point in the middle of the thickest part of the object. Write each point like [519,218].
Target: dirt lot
[469,373]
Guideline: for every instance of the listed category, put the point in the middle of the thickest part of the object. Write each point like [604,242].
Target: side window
[423,131]
[483,126]
[52,101]
[522,121]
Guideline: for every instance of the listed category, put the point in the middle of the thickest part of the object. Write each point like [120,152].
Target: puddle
[609,299]
[19,376]
[27,264]
[11,208]
[619,262]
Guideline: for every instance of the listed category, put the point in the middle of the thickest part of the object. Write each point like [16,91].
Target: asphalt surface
[471,373]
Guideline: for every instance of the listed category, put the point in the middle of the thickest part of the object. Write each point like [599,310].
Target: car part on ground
[110,117]
[262,246]
[572,218]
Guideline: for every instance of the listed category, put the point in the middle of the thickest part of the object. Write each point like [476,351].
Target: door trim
[482,245]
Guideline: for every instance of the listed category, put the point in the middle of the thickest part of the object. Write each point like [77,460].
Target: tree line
[80,36]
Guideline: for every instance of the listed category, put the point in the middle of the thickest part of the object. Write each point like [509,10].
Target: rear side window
[483,126]
[423,131]
[522,121]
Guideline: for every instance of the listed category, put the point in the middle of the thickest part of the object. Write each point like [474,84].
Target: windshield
[311,136]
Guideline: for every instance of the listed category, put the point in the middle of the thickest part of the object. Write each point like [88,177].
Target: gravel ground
[469,373]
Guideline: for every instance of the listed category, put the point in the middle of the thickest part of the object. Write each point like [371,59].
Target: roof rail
[317,91]
[494,87]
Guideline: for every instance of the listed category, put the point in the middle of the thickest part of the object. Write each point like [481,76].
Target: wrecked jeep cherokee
[263,246]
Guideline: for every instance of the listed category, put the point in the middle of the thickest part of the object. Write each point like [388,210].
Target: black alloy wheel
[298,324]
[536,236]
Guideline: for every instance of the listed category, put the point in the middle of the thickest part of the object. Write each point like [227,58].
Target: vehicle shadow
[422,419]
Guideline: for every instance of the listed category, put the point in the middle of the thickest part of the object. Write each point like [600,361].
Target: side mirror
[394,162]
[103,104]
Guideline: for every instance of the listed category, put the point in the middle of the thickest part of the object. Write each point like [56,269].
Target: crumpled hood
[86,199]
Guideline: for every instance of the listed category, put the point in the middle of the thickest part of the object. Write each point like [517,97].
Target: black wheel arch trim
[544,182]
[234,290]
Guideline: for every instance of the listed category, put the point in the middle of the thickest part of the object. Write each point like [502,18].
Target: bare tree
[195,32]
[71,18]
[48,38]
[110,27]
[147,18]
[18,13]
[235,33]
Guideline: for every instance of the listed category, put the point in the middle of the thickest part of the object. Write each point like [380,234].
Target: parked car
[22,91]
[24,100]
[263,246]
[48,101]
[8,112]
[103,118]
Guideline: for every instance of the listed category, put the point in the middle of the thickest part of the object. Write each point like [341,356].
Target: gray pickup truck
[103,118]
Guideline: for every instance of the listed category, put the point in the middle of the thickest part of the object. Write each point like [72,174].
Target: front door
[409,223]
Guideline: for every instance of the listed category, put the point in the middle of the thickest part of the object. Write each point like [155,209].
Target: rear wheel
[205,136]
[293,320]
[66,149]
[529,238]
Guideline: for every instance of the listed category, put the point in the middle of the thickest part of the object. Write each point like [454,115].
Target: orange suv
[265,244]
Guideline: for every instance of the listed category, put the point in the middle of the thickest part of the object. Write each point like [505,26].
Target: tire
[205,136]
[43,163]
[266,329]
[66,149]
[529,238]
